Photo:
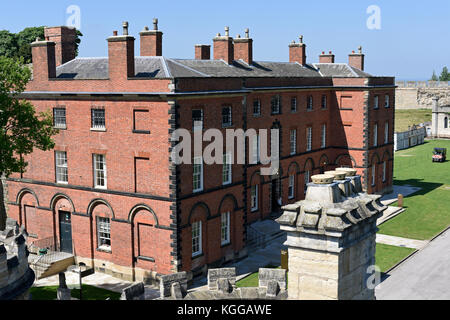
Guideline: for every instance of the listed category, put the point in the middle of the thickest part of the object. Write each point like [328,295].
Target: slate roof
[161,67]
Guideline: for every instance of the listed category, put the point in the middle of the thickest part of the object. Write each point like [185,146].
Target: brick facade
[149,200]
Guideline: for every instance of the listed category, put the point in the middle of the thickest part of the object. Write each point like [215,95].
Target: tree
[445,76]
[434,77]
[8,44]
[22,129]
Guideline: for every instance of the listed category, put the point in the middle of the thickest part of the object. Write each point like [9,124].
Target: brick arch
[24,192]
[375,155]
[294,165]
[324,160]
[58,197]
[142,207]
[386,156]
[311,161]
[94,203]
[225,198]
[345,156]
[261,177]
[199,205]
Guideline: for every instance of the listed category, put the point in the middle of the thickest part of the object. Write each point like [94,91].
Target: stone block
[134,292]
[268,275]
[175,291]
[224,286]
[273,288]
[224,273]
[165,283]
[63,294]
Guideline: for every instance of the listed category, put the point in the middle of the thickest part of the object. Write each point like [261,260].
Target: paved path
[405,190]
[401,242]
[424,276]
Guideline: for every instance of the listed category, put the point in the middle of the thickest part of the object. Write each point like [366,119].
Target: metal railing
[46,243]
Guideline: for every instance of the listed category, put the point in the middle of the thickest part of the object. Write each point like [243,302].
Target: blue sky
[412,41]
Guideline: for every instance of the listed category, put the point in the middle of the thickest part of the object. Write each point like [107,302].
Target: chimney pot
[155,24]
[115,33]
[247,33]
[151,41]
[301,39]
[297,51]
[227,31]
[243,48]
[125,28]
[356,60]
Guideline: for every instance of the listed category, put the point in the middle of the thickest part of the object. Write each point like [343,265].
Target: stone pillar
[331,240]
[435,120]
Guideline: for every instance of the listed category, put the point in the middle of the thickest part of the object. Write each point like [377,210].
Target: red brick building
[109,192]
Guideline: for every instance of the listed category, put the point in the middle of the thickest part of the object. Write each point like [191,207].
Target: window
[226,117]
[198,174]
[197,120]
[324,102]
[226,171]
[255,149]
[291,189]
[310,103]
[384,171]
[59,118]
[276,104]
[225,228]
[254,197]
[257,107]
[375,102]
[446,122]
[386,132]
[308,139]
[196,238]
[294,104]
[375,135]
[98,119]
[293,142]
[323,143]
[104,233]
[61,167]
[141,121]
[373,174]
[100,171]
[307,179]
[386,101]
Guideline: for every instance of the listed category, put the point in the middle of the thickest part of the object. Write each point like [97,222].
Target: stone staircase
[50,264]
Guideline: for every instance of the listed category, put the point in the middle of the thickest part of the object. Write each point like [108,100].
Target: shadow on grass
[426,187]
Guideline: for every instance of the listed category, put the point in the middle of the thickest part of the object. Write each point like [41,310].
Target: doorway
[65,231]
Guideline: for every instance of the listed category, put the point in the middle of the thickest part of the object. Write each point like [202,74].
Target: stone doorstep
[401,242]
[390,213]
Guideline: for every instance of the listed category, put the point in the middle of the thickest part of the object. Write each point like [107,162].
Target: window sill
[60,128]
[98,129]
[254,210]
[197,191]
[104,250]
[198,255]
[224,126]
[224,245]
[100,188]
[141,131]
[256,115]
[62,183]
[146,258]
[226,183]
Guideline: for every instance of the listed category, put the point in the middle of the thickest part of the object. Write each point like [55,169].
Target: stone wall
[420,94]
[411,138]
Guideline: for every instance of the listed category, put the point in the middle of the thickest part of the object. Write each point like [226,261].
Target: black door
[65,229]
[276,195]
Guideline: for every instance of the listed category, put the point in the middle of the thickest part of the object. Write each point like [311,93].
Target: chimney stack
[202,52]
[121,55]
[356,60]
[243,48]
[64,38]
[297,52]
[326,58]
[44,61]
[223,47]
[151,41]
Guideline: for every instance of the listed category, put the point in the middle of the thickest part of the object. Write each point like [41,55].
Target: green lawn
[405,118]
[388,256]
[428,211]
[252,280]
[89,293]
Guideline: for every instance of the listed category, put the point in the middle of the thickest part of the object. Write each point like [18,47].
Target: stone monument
[331,239]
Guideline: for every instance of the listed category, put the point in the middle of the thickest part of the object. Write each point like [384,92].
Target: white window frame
[197,125]
[309,103]
[255,149]
[197,177]
[229,115]
[225,228]
[56,117]
[375,135]
[61,167]
[197,239]
[275,104]
[387,102]
[324,136]
[291,188]
[384,170]
[97,170]
[103,230]
[227,174]
[324,101]
[293,141]
[94,117]
[374,170]
[257,104]
[309,139]
[254,197]
[307,179]
[386,132]
[294,104]
[376,101]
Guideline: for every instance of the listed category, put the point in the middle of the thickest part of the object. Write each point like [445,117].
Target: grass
[405,118]
[427,211]
[89,293]
[388,256]
[252,280]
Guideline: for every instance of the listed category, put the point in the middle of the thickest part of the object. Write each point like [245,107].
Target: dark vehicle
[439,155]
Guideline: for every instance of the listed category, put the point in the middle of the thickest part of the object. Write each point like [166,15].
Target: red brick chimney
[151,41]
[326,58]
[243,48]
[356,60]
[44,63]
[121,55]
[64,38]
[223,47]
[202,52]
[297,52]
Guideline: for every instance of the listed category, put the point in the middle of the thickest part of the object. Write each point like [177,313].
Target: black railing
[48,244]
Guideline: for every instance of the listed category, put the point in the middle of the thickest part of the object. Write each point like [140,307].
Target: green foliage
[19,45]
[21,129]
[89,293]
[445,76]
[388,256]
[434,77]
